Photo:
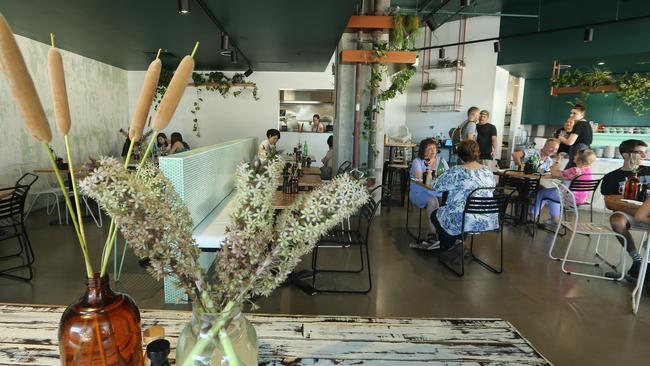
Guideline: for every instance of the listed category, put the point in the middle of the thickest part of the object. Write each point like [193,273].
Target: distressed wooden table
[282,201]
[28,335]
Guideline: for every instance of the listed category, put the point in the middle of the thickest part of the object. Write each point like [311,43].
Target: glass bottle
[240,331]
[429,177]
[285,180]
[101,328]
[440,170]
[631,188]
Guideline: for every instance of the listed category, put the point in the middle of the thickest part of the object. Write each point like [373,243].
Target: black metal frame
[341,238]
[12,225]
[577,185]
[345,167]
[526,188]
[483,206]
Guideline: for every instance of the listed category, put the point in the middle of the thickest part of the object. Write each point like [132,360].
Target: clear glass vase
[240,331]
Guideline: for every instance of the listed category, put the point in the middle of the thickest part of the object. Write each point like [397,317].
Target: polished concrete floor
[571,320]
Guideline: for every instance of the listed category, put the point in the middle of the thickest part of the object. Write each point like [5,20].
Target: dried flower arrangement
[257,255]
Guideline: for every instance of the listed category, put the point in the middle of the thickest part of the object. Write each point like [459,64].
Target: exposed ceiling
[282,35]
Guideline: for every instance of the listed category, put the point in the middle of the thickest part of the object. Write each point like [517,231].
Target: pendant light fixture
[465,2]
[184,7]
[233,56]
[588,35]
[248,72]
[225,42]
[441,53]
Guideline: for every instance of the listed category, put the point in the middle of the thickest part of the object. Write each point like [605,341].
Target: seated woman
[582,170]
[326,169]
[421,196]
[267,147]
[162,144]
[460,181]
[177,144]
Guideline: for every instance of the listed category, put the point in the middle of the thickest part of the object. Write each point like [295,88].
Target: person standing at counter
[581,135]
[486,136]
[564,132]
[316,126]
[613,184]
[267,147]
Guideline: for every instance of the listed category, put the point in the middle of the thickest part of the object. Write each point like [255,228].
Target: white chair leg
[566,260]
[550,250]
[638,290]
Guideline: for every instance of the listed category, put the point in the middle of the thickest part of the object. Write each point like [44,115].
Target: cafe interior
[342,182]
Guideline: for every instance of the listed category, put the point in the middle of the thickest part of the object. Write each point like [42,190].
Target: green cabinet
[541,108]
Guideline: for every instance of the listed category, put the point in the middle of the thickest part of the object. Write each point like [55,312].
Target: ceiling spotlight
[233,56]
[464,2]
[601,63]
[562,66]
[497,46]
[183,7]
[248,72]
[589,34]
[431,23]
[225,42]
[441,53]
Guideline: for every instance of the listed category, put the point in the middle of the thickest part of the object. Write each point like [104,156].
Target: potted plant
[429,85]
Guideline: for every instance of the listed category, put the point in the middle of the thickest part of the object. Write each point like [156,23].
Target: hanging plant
[634,91]
[430,85]
[163,82]
[195,108]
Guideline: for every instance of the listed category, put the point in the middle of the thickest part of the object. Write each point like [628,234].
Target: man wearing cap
[486,136]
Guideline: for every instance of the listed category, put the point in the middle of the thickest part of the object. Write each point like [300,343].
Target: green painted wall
[540,108]
[98,98]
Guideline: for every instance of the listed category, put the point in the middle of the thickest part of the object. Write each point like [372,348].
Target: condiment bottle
[631,188]
[157,351]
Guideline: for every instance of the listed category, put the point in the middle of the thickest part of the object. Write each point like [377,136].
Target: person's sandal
[426,245]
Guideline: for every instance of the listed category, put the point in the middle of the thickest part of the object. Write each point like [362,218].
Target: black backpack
[456,133]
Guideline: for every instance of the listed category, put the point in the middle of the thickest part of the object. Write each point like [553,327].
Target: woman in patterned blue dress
[460,181]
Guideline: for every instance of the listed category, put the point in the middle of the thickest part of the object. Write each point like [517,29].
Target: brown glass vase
[101,328]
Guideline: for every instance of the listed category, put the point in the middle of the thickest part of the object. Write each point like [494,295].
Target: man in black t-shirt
[613,184]
[486,136]
[581,135]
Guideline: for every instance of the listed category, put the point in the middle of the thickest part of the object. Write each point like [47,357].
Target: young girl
[177,144]
[162,144]
[582,171]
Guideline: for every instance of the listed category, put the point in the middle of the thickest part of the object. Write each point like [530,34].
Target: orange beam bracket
[370,22]
[389,57]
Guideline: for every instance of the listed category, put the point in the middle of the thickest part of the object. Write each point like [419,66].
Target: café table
[306,181]
[282,201]
[29,336]
[311,170]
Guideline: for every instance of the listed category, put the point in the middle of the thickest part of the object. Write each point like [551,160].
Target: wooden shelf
[434,69]
[392,57]
[370,22]
[219,84]
[576,89]
[440,108]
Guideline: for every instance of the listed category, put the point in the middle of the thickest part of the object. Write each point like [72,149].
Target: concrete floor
[571,320]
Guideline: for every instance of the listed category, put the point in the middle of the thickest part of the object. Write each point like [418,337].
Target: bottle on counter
[157,351]
[305,150]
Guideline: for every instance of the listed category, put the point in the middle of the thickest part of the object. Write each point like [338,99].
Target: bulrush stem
[74,190]
[112,231]
[57,173]
[218,330]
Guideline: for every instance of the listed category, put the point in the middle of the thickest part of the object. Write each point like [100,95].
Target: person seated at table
[267,147]
[421,196]
[643,213]
[544,155]
[162,144]
[177,144]
[613,183]
[460,181]
[326,169]
[582,171]
[564,131]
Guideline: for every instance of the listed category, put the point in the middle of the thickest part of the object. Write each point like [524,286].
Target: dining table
[282,201]
[6,192]
[306,181]
[28,336]
[311,170]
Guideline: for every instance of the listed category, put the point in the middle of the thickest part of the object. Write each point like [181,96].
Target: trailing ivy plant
[634,91]
[222,84]
[430,85]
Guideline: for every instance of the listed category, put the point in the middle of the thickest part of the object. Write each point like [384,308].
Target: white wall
[478,79]
[222,119]
[98,107]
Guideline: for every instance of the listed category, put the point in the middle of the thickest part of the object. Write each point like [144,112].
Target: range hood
[306,96]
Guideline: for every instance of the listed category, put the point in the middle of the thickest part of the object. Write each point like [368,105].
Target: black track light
[248,72]
[464,2]
[233,56]
[225,42]
[441,53]
[497,46]
[184,7]
[589,34]
[431,23]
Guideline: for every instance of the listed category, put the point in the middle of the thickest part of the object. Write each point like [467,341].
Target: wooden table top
[306,181]
[512,173]
[400,144]
[312,170]
[7,193]
[28,335]
[615,203]
[282,201]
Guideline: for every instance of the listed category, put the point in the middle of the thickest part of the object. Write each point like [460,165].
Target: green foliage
[445,63]
[404,33]
[429,85]
[634,91]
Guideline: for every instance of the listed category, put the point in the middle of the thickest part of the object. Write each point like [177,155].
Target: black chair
[12,225]
[479,206]
[578,185]
[347,239]
[345,167]
[521,192]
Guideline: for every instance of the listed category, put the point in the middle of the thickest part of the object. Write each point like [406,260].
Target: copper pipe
[356,140]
